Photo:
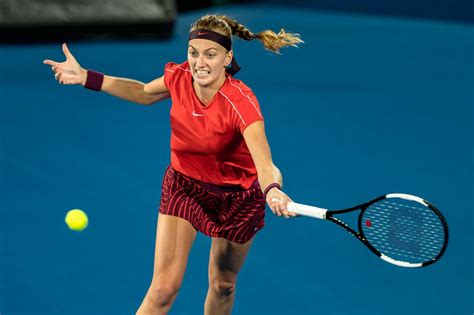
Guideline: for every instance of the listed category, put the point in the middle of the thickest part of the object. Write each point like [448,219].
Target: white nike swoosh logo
[197,115]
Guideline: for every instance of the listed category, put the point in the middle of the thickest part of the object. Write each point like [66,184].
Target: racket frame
[325,214]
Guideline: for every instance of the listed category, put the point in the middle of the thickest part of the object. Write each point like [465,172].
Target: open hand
[69,71]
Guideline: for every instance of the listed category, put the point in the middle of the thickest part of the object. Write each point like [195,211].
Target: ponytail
[228,26]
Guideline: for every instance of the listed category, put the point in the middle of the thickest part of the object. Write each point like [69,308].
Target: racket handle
[306,210]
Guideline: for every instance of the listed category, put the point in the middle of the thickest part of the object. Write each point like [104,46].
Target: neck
[206,93]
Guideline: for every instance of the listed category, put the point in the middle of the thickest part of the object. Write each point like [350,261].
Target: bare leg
[174,239]
[225,261]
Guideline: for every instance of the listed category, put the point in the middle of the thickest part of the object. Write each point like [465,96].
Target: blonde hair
[227,26]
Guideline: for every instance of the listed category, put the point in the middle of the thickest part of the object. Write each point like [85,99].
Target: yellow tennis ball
[76,220]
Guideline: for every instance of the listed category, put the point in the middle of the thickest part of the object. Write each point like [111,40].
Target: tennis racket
[402,229]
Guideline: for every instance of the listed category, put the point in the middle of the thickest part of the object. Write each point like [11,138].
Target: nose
[200,62]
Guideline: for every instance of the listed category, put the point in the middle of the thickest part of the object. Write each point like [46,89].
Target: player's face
[207,61]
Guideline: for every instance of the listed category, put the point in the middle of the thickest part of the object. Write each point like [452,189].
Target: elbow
[146,101]
[146,98]
[143,100]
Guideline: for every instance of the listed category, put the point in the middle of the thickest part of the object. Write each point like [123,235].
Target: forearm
[269,175]
[276,199]
[128,89]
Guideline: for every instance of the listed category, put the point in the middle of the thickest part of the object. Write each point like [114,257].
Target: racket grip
[306,210]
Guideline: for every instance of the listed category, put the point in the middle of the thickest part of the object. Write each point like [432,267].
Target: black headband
[222,40]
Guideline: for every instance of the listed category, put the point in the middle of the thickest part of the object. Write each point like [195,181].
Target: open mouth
[201,73]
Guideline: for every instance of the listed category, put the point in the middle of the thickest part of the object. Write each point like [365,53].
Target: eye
[194,54]
[211,55]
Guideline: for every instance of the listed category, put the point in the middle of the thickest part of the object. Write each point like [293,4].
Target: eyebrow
[191,46]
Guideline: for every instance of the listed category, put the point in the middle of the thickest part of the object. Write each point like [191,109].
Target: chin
[203,82]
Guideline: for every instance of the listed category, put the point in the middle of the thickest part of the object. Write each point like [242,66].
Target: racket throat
[346,227]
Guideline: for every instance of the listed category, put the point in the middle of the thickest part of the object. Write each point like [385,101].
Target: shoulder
[238,93]
[174,67]
[174,71]
[242,102]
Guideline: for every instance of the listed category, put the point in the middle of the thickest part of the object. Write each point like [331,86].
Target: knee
[222,287]
[163,295]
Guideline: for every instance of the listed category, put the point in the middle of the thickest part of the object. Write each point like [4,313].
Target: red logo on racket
[368,223]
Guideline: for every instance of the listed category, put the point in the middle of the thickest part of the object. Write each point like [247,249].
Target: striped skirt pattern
[229,212]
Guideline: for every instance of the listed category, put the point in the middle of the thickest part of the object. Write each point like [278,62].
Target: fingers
[279,204]
[279,207]
[64,78]
[50,62]
[54,66]
[291,214]
[275,206]
[58,77]
[66,51]
[62,70]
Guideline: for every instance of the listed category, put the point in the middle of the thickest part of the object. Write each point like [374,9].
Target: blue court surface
[368,105]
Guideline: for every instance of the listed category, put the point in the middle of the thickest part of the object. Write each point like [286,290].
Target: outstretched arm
[136,91]
[268,173]
[71,72]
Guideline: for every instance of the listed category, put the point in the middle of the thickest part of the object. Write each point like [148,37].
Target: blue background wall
[368,105]
[455,10]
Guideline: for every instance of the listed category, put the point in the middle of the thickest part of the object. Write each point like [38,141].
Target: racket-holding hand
[277,200]
[69,71]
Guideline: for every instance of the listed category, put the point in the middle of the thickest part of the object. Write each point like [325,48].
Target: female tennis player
[221,172]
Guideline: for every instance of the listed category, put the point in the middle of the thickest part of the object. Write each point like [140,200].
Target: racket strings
[429,232]
[431,218]
[429,242]
[387,248]
[404,230]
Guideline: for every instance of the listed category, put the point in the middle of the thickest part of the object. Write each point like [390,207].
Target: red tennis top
[206,140]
